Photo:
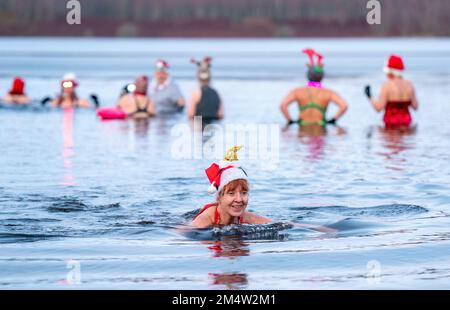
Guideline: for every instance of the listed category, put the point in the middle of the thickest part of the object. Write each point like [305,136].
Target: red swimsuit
[397,114]
[216,214]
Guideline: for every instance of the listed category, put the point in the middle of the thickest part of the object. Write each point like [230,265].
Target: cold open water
[106,198]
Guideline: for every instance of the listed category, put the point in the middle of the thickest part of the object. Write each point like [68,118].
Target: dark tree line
[408,17]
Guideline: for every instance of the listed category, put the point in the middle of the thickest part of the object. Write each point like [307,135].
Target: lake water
[86,204]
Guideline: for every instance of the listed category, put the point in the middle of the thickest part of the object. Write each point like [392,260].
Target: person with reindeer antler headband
[205,101]
[313,99]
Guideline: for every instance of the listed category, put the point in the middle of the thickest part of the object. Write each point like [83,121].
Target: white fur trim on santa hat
[224,164]
[230,175]
[392,71]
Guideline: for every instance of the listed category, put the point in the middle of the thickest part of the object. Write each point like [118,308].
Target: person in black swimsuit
[205,100]
[138,104]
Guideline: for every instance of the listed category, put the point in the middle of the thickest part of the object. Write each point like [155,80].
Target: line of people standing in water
[397,95]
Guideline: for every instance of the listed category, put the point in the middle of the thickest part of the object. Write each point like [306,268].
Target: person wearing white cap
[396,96]
[230,183]
[166,94]
[68,97]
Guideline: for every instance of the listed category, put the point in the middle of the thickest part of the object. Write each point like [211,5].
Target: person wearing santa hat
[166,93]
[68,97]
[17,93]
[397,95]
[229,181]
[138,104]
[313,99]
[205,101]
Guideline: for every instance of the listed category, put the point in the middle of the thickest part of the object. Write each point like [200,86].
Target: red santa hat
[394,65]
[226,171]
[17,87]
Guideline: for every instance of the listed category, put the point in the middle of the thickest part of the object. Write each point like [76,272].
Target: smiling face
[233,199]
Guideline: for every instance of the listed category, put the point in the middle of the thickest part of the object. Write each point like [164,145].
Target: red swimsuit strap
[206,207]
[216,214]
[217,218]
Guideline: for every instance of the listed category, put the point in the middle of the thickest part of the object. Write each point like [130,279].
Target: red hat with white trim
[225,171]
[394,65]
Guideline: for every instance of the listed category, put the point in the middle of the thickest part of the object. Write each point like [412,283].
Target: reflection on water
[394,143]
[314,137]
[124,188]
[228,247]
[232,248]
[68,146]
[231,281]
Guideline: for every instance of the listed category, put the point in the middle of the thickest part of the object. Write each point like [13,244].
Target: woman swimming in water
[230,183]
[68,98]
[17,93]
[313,99]
[396,97]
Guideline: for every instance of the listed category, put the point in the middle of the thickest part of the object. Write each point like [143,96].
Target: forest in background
[224,18]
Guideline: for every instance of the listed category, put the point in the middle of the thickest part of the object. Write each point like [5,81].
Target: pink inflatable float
[111,113]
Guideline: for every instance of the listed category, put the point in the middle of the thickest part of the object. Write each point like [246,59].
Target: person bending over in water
[230,183]
[17,93]
[68,98]
[396,97]
[138,104]
[205,101]
[313,99]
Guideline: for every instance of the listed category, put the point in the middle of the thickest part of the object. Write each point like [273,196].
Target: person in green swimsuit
[313,99]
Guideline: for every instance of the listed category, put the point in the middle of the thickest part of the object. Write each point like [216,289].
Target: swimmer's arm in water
[82,103]
[414,103]
[17,99]
[151,109]
[290,98]
[181,102]
[202,221]
[342,105]
[193,101]
[221,113]
[251,218]
[381,103]
[322,229]
[121,101]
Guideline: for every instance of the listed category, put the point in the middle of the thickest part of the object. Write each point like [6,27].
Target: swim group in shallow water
[228,179]
[143,100]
